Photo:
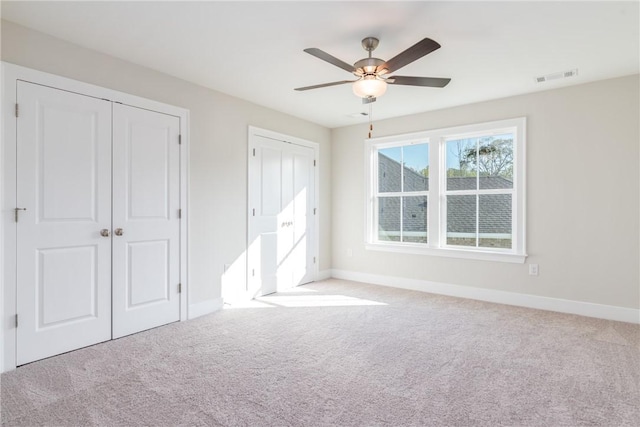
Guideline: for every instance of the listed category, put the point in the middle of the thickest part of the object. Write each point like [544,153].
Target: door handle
[118,232]
[104,232]
[16,210]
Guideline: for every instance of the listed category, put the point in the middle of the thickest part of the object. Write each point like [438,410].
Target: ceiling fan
[372,72]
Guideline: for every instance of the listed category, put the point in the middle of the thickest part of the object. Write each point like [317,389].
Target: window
[451,192]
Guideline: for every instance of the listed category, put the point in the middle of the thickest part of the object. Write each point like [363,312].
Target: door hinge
[314,162]
[179,288]
[253,272]
[17,110]
[254,211]
[314,211]
[179,213]
[16,320]
[179,139]
[314,260]
[254,152]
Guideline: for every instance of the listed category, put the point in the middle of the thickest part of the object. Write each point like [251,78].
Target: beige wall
[583,148]
[218,166]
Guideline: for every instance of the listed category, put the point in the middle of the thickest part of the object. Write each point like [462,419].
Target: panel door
[302,246]
[64,183]
[282,225]
[146,200]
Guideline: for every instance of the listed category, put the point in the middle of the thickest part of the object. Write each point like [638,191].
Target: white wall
[583,148]
[583,180]
[218,165]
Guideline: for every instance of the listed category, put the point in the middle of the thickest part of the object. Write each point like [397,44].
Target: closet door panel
[146,200]
[64,183]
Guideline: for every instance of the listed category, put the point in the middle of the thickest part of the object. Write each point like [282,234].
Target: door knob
[104,232]
[118,232]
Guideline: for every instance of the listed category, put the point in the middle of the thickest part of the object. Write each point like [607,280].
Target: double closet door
[97,217]
[282,229]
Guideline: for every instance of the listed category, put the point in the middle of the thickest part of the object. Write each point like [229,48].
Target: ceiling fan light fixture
[369,87]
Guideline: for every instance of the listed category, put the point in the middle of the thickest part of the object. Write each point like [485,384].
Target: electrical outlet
[533,269]
[349,252]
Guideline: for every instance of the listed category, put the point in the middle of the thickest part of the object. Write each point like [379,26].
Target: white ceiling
[254,50]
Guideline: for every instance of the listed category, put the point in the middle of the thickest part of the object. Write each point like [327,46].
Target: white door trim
[255,132]
[10,74]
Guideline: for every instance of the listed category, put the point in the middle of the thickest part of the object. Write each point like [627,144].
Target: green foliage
[494,157]
[460,173]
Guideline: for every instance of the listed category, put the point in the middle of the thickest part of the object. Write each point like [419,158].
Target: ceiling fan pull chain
[370,123]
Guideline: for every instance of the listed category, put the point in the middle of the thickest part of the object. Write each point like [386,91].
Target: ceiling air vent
[556,76]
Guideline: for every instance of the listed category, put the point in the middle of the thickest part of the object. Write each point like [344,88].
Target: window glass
[390,170]
[495,162]
[416,167]
[414,219]
[461,220]
[461,164]
[495,221]
[389,219]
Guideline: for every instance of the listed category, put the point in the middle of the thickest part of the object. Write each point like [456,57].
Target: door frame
[11,73]
[252,144]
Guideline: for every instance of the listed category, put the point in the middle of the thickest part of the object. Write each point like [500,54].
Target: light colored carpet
[339,353]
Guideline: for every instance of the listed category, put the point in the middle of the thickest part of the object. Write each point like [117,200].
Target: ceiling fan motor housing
[367,66]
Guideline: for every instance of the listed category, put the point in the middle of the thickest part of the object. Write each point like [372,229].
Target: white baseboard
[205,307]
[601,311]
[323,275]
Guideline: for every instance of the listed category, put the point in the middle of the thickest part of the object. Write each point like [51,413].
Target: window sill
[448,252]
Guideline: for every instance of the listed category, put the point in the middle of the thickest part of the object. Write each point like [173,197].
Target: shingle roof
[471,183]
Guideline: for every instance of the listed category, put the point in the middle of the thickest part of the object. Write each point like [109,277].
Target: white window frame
[436,195]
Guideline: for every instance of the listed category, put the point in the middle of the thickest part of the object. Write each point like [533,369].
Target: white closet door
[64,183]
[301,256]
[282,189]
[146,199]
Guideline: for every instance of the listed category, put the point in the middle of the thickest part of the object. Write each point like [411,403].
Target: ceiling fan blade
[330,59]
[418,81]
[325,85]
[418,50]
